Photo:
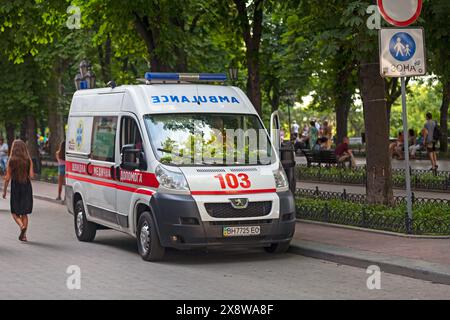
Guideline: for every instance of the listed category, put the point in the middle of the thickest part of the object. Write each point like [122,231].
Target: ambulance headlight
[281,180]
[170,179]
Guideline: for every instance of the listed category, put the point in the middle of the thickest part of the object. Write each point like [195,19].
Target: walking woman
[19,171]
[61,157]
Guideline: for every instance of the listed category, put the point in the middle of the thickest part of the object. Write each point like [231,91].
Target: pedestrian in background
[327,132]
[344,153]
[294,130]
[19,172]
[313,134]
[429,140]
[61,158]
[3,154]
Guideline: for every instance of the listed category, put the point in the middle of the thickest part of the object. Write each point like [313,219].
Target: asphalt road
[111,269]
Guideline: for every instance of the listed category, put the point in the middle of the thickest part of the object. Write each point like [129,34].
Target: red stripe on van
[232,192]
[111,185]
[145,179]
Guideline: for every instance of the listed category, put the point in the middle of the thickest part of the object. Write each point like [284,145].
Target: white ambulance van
[177,162]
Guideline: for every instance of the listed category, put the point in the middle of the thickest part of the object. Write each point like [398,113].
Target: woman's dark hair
[62,150]
[429,116]
[19,162]
[412,133]
[312,123]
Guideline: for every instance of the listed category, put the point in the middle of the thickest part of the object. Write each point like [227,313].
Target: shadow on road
[193,257]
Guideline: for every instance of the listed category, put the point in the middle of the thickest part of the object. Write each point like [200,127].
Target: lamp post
[85,79]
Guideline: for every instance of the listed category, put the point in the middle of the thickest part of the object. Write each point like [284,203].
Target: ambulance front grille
[210,170]
[226,210]
[244,170]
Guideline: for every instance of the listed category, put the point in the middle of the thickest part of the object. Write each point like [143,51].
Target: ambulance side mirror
[275,127]
[132,158]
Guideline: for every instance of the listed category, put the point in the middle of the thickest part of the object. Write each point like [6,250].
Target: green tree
[437,30]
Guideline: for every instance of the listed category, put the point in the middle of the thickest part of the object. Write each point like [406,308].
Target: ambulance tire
[149,246]
[277,248]
[84,229]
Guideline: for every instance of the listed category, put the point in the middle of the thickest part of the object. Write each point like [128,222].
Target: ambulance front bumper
[180,225]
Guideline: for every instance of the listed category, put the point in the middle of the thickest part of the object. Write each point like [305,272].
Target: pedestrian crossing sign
[402,52]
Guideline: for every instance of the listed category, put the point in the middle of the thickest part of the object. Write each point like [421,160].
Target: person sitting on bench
[344,154]
[321,144]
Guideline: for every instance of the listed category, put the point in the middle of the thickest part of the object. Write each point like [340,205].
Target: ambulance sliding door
[101,200]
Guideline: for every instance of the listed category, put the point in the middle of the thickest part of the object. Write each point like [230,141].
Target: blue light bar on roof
[166,76]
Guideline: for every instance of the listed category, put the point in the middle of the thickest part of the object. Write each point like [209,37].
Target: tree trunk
[378,168]
[444,115]
[10,134]
[150,37]
[32,144]
[104,57]
[253,82]
[252,37]
[55,118]
[343,100]
[274,96]
[31,137]
[23,129]
[55,125]
[342,111]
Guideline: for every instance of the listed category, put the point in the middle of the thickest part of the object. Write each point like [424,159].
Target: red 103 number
[233,181]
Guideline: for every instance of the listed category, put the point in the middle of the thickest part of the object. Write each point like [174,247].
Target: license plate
[241,231]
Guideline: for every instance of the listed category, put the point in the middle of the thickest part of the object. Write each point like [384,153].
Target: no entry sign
[400,13]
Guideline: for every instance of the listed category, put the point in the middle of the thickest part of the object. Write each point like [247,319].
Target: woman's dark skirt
[21,198]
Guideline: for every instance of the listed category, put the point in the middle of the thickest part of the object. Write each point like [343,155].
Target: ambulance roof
[168,98]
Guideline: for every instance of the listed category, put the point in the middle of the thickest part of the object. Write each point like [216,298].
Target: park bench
[320,157]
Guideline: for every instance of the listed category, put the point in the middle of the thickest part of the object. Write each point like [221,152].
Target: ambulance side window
[104,138]
[129,133]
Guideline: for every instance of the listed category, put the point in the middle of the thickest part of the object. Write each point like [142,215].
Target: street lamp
[85,79]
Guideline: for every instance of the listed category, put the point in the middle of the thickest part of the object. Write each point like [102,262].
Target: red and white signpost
[400,13]
[402,45]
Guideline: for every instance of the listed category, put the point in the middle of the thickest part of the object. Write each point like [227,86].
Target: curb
[417,269]
[45,198]
[383,232]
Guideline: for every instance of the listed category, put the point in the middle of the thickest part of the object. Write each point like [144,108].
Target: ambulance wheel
[148,242]
[280,247]
[84,229]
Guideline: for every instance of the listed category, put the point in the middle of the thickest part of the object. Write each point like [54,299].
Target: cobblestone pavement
[111,268]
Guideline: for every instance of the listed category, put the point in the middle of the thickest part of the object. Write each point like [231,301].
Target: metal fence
[368,218]
[420,179]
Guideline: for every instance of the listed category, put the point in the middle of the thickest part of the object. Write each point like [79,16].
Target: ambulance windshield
[209,139]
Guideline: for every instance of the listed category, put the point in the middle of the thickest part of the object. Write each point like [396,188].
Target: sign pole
[406,145]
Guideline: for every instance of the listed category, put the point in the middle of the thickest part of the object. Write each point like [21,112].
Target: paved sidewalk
[46,191]
[426,259]
[431,250]
[362,190]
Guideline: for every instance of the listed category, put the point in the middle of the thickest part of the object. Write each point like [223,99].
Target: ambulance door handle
[88,166]
[113,172]
[117,172]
